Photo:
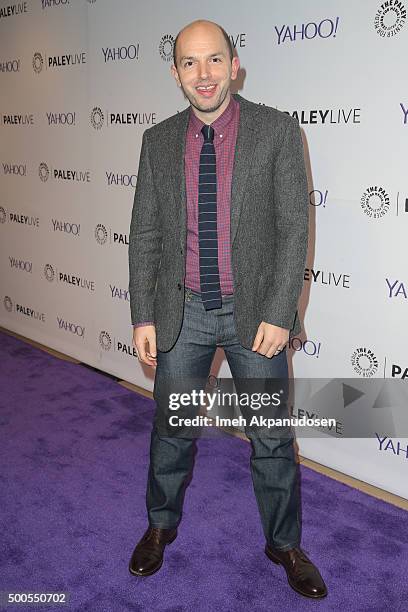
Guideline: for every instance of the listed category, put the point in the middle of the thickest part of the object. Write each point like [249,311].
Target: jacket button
[179,285]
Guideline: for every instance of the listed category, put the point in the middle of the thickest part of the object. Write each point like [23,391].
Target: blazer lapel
[178,147]
[242,161]
[246,139]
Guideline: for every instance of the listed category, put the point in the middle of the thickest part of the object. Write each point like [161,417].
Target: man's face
[204,68]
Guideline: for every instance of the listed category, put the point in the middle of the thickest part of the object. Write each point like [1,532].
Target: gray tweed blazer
[269,224]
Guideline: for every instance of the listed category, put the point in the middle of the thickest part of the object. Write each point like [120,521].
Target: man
[217,248]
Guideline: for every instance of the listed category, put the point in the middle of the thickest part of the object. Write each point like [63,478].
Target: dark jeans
[273,467]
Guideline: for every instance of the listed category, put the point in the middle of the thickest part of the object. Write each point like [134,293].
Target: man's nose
[204,70]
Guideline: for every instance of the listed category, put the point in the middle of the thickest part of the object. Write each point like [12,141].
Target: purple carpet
[74,455]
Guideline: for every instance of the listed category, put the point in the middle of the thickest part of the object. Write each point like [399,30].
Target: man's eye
[187,64]
[216,59]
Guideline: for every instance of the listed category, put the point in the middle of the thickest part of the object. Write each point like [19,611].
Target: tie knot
[208,133]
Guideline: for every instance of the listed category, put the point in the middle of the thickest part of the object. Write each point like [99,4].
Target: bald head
[199,28]
[204,67]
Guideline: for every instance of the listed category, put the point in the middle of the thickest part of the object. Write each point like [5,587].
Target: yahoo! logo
[119,293]
[21,264]
[10,66]
[112,54]
[61,118]
[50,3]
[396,447]
[309,347]
[404,112]
[73,328]
[16,169]
[318,198]
[66,227]
[121,180]
[396,288]
[307,31]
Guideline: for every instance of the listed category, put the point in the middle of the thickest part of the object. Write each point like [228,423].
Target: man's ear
[235,67]
[175,74]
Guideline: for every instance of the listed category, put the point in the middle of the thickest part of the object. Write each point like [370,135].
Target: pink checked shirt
[225,136]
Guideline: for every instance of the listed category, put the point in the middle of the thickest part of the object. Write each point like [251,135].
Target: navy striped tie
[207,223]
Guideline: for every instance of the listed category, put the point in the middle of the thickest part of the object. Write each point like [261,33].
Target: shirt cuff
[143,323]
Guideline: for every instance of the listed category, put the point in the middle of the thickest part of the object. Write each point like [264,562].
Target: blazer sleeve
[291,210]
[145,241]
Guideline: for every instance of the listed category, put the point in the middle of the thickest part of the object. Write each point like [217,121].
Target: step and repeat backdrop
[81,80]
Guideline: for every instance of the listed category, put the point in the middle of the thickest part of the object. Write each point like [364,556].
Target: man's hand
[144,341]
[270,339]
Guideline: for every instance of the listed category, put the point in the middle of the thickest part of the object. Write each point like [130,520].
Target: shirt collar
[220,125]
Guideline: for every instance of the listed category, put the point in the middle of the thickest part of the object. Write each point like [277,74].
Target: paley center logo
[19,119]
[376,202]
[23,309]
[102,233]
[327,278]
[398,370]
[63,174]
[15,217]
[166,47]
[106,343]
[51,273]
[99,118]
[12,10]
[41,60]
[326,116]
[390,18]
[364,362]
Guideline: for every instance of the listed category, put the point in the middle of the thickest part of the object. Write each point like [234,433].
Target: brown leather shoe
[303,576]
[147,557]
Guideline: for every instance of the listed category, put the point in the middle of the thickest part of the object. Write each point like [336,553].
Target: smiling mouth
[206,87]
